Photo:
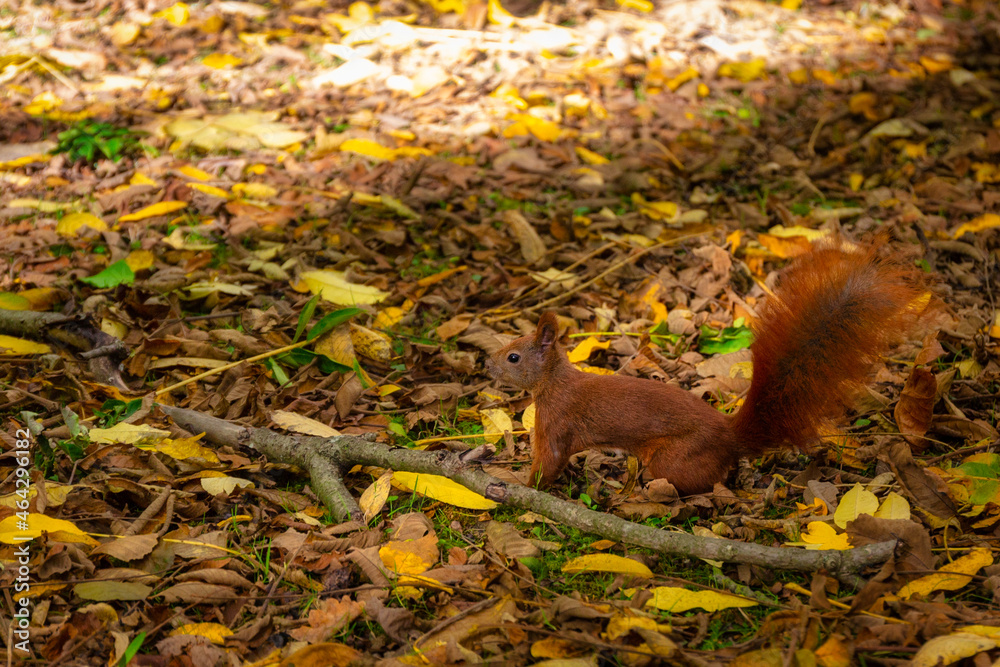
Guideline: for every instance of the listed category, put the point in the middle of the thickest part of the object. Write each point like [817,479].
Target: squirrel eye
[513,357]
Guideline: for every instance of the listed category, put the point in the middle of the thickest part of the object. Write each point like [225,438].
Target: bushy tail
[834,314]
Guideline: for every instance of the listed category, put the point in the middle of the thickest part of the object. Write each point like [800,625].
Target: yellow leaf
[855,181]
[368,148]
[435,278]
[509,94]
[791,5]
[225,485]
[639,5]
[446,6]
[995,328]
[334,287]
[374,497]
[41,298]
[498,15]
[387,389]
[210,190]
[938,62]
[408,557]
[297,423]
[864,104]
[986,172]
[141,179]
[787,232]
[39,204]
[221,60]
[139,260]
[154,210]
[495,421]
[15,346]
[834,653]
[181,449]
[14,530]
[985,221]
[950,577]
[255,190]
[703,90]
[607,563]
[214,24]
[590,157]
[337,345]
[583,351]
[799,77]
[443,489]
[664,210]
[194,172]
[130,434]
[178,14]
[621,624]
[214,632]
[678,600]
[371,344]
[915,151]
[124,33]
[543,130]
[825,76]
[69,226]
[949,649]
[388,318]
[11,301]
[682,78]
[894,506]
[528,417]
[855,502]
[822,536]
[744,71]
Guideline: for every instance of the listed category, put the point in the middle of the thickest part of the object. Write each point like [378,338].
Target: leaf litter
[237,176]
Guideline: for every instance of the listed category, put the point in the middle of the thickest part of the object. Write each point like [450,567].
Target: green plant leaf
[305,316]
[331,320]
[116,274]
[728,340]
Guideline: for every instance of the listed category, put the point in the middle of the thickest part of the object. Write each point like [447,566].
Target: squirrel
[834,314]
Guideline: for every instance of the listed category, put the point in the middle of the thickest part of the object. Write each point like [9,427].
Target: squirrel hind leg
[690,470]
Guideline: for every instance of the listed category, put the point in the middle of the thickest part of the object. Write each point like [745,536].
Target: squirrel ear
[548,329]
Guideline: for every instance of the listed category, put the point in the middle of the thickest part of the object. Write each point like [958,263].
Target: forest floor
[392,189]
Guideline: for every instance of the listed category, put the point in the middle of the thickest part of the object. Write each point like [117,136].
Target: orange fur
[834,314]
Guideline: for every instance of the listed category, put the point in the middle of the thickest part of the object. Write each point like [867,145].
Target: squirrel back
[834,314]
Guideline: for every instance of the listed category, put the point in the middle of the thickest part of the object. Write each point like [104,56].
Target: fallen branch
[102,351]
[324,458]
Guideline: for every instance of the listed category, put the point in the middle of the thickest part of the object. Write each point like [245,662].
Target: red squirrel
[832,317]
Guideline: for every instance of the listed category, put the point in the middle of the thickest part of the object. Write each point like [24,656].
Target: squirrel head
[529,360]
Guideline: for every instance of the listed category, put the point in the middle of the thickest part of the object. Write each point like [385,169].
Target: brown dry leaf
[433,646]
[129,548]
[322,655]
[915,408]
[329,616]
[532,245]
[454,326]
[928,492]
[931,351]
[915,553]
[507,540]
[194,592]
[433,393]
[112,590]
